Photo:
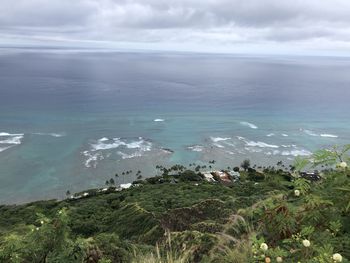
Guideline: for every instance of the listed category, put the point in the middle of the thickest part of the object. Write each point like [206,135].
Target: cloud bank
[206,25]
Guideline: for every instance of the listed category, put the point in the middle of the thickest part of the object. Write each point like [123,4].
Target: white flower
[264,246]
[306,243]
[279,259]
[37,228]
[296,192]
[337,257]
[42,222]
[343,165]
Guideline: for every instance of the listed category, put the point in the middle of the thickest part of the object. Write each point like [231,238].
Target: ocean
[70,120]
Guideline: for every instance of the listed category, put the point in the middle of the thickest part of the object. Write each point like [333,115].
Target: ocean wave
[57,135]
[218,145]
[102,149]
[248,124]
[219,139]
[253,150]
[102,144]
[270,134]
[328,135]
[108,144]
[196,148]
[158,120]
[257,144]
[3,134]
[311,133]
[129,156]
[12,140]
[302,152]
[141,144]
[92,158]
[4,148]
[284,135]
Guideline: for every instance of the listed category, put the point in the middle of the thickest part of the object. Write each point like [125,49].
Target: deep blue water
[71,120]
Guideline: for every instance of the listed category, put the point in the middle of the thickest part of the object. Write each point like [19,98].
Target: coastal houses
[221,176]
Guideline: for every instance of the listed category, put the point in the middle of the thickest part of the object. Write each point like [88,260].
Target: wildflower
[296,192]
[306,243]
[42,222]
[37,228]
[279,259]
[343,165]
[264,246]
[267,260]
[337,257]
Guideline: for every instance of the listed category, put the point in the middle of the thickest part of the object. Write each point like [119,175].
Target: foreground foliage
[274,216]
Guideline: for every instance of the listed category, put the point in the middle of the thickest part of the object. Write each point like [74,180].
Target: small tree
[245,164]
[111,181]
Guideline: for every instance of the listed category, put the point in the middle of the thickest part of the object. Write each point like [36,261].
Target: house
[208,177]
[235,175]
[223,176]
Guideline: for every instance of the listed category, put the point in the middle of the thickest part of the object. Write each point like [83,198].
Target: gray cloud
[215,24]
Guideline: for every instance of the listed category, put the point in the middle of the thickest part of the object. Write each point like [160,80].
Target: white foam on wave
[328,135]
[102,147]
[8,140]
[196,148]
[218,145]
[257,144]
[296,152]
[253,150]
[248,124]
[219,139]
[129,156]
[4,148]
[2,134]
[12,140]
[301,152]
[311,133]
[107,144]
[261,144]
[92,158]
[141,144]
[270,134]
[284,135]
[158,120]
[57,135]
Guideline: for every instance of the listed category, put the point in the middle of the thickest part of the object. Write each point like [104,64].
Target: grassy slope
[194,211]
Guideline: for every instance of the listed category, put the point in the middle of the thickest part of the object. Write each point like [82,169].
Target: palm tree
[245,164]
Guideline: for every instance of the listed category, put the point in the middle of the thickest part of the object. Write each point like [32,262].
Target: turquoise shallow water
[71,120]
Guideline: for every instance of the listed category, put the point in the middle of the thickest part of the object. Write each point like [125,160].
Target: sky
[222,26]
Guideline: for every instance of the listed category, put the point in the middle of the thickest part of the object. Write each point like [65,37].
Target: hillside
[268,216]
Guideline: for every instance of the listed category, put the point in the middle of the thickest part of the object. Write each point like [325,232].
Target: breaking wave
[127,149]
[257,144]
[9,140]
[248,124]
[196,148]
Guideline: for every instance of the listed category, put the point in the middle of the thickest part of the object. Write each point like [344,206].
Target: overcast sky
[237,26]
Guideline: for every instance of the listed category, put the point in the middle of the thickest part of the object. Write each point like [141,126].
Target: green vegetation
[272,215]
